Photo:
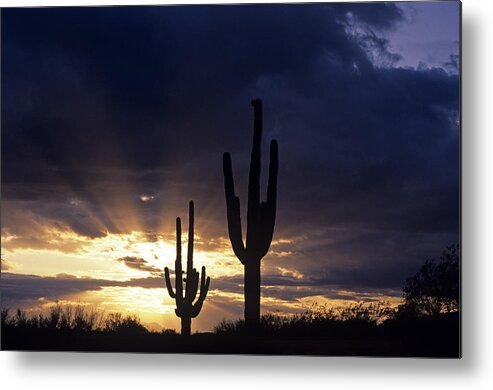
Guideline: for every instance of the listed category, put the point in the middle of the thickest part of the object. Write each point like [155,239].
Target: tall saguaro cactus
[185,308]
[261,217]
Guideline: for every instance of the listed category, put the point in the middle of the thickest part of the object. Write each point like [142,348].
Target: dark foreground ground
[425,337]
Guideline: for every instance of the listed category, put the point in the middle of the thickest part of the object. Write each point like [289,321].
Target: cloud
[4,265]
[383,16]
[452,65]
[140,264]
[25,228]
[278,291]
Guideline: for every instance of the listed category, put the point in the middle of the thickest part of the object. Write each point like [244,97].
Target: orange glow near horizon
[67,255]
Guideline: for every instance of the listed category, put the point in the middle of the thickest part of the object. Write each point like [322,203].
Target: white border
[473,371]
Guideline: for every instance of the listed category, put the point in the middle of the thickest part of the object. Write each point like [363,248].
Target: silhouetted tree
[434,289]
[261,217]
[186,309]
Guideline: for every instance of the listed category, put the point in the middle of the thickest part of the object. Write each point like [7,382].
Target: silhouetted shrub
[168,332]
[319,319]
[5,317]
[118,323]
[72,318]
[434,289]
[357,330]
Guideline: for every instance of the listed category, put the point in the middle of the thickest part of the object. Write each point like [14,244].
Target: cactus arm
[168,283]
[196,308]
[265,233]
[268,208]
[273,171]
[204,284]
[233,210]
[204,289]
[196,283]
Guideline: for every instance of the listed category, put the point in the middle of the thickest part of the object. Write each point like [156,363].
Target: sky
[113,118]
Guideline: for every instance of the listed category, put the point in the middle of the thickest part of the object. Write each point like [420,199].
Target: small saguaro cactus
[261,217]
[186,309]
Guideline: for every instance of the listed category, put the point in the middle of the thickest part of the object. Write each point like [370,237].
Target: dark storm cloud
[290,289]
[17,289]
[103,105]
[355,258]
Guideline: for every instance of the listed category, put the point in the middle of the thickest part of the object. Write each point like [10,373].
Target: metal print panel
[262,179]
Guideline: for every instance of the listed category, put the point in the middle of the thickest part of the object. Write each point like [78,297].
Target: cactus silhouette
[186,309]
[261,217]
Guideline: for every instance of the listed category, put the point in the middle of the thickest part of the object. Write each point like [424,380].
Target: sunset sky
[114,118]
